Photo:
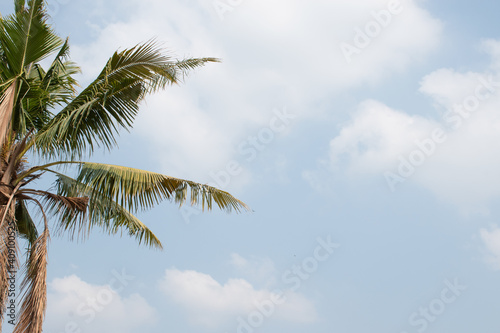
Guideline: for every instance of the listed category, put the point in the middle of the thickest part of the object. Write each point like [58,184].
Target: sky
[364,135]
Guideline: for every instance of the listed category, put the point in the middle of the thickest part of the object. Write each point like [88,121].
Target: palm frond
[111,102]
[58,81]
[76,207]
[137,189]
[25,225]
[19,5]
[26,38]
[101,212]
[183,66]
[43,91]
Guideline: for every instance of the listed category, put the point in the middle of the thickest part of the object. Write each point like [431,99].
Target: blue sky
[364,134]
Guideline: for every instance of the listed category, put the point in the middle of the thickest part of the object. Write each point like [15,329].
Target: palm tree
[44,118]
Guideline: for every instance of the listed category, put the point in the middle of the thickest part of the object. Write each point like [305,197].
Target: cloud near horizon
[74,304]
[214,305]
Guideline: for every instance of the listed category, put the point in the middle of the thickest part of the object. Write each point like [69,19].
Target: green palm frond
[139,189]
[25,225]
[111,102]
[26,38]
[185,65]
[143,62]
[91,121]
[58,82]
[42,91]
[19,5]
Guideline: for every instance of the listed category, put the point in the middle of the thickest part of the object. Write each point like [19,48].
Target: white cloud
[211,304]
[280,53]
[491,240]
[75,305]
[375,137]
[455,155]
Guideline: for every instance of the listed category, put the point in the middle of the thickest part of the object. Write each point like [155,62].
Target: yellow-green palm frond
[102,212]
[137,189]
